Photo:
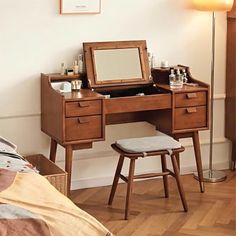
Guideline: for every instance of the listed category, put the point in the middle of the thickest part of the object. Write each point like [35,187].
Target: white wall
[34,38]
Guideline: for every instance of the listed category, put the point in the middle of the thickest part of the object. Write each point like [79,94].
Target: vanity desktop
[76,119]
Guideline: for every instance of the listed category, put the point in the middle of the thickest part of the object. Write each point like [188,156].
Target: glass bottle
[172,78]
[185,79]
[63,68]
[179,79]
[81,63]
[76,67]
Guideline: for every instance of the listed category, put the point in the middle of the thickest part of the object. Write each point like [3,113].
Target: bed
[30,205]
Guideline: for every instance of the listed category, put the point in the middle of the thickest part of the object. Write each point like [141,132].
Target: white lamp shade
[212,5]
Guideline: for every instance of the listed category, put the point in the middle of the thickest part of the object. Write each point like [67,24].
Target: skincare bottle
[63,68]
[81,63]
[76,67]
[153,61]
[179,79]
[172,78]
[185,79]
[150,60]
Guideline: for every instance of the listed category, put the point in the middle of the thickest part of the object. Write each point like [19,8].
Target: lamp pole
[211,175]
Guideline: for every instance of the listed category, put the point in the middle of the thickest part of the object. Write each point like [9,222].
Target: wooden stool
[142,147]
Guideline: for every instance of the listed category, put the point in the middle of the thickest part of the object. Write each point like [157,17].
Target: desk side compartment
[190,104]
[52,110]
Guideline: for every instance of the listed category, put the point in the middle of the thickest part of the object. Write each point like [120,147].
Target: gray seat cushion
[148,144]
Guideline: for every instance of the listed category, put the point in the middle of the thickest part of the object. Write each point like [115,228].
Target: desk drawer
[86,127]
[190,99]
[83,108]
[137,103]
[190,117]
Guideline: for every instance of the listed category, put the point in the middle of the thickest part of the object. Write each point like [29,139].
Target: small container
[151,60]
[69,71]
[63,68]
[65,87]
[185,79]
[164,64]
[179,80]
[76,85]
[76,67]
[175,79]
[172,78]
[81,63]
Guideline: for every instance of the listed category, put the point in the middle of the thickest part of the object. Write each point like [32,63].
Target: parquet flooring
[212,213]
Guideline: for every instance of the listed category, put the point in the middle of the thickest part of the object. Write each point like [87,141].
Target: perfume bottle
[179,79]
[172,78]
[81,63]
[185,79]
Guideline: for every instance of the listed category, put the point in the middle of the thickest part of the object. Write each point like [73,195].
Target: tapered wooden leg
[68,166]
[233,155]
[116,179]
[197,152]
[129,187]
[177,155]
[53,150]
[165,177]
[178,181]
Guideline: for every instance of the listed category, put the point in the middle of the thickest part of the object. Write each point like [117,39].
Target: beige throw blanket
[29,205]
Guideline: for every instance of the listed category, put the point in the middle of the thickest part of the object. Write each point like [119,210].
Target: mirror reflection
[117,64]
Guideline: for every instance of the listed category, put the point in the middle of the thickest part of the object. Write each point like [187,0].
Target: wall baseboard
[106,181]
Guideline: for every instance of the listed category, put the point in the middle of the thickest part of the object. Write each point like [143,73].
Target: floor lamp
[211,175]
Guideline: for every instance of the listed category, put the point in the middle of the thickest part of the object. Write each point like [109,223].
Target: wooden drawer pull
[83,104]
[191,110]
[191,95]
[83,120]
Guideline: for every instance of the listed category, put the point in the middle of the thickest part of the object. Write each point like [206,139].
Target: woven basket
[54,174]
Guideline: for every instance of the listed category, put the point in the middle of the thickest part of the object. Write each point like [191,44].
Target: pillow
[11,160]
[6,145]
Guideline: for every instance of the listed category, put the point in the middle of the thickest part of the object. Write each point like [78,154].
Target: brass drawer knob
[83,104]
[191,95]
[83,120]
[191,110]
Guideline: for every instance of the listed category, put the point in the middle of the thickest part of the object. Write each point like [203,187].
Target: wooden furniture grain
[230,101]
[131,176]
[77,119]
[151,216]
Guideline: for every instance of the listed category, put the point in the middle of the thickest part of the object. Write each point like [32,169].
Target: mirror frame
[90,47]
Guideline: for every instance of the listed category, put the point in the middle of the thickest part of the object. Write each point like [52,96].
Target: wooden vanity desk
[77,119]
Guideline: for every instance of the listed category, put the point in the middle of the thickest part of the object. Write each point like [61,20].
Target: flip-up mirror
[116,63]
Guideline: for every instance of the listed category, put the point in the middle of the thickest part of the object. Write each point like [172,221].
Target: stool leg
[116,179]
[129,187]
[165,177]
[177,155]
[178,181]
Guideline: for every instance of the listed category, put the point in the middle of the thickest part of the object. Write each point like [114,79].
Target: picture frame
[80,6]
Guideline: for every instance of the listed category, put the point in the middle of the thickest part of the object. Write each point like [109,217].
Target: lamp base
[212,176]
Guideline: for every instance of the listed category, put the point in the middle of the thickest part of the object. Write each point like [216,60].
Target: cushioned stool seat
[134,148]
[148,144]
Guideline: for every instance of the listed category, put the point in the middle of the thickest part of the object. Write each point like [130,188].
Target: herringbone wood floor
[212,213]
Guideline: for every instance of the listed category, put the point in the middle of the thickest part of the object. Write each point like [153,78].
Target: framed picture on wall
[80,6]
